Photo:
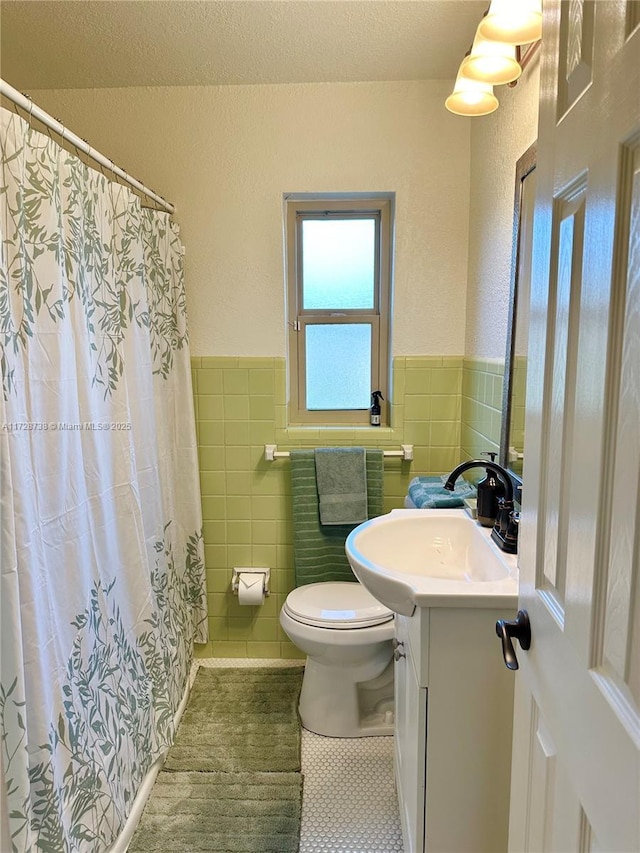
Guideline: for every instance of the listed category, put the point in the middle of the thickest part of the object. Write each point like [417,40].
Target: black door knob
[520,628]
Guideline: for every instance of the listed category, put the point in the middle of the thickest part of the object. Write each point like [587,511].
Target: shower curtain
[102,575]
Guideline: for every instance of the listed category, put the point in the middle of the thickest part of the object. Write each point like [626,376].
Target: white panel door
[576,757]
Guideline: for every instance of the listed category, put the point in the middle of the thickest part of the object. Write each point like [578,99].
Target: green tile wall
[240,406]
[482,381]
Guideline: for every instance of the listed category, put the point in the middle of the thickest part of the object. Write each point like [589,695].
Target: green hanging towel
[341,478]
[319,549]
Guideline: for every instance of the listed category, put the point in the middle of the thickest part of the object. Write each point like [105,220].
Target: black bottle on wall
[376,396]
[490,489]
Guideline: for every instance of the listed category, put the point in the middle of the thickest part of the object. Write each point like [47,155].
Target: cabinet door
[410,743]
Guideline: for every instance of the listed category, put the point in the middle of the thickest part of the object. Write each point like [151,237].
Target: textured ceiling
[111,43]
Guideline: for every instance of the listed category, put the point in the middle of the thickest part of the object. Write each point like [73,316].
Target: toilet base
[333,705]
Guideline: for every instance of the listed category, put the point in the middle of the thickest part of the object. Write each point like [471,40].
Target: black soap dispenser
[376,396]
[490,490]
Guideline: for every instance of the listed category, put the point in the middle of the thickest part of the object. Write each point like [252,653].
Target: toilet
[347,689]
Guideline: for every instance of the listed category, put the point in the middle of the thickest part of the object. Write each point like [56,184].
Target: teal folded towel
[318,549]
[429,493]
[341,476]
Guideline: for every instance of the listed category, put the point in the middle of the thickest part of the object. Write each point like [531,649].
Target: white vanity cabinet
[454,707]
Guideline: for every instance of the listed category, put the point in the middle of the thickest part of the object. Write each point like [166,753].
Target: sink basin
[431,558]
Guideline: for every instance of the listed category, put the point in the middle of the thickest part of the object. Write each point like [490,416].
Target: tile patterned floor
[349,803]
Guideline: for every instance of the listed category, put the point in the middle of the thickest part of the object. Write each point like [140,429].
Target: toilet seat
[340,605]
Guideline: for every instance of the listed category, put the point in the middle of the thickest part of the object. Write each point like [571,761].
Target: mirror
[515,367]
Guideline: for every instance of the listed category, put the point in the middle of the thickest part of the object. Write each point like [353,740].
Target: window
[338,267]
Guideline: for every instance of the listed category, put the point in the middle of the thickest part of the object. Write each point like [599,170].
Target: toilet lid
[336,605]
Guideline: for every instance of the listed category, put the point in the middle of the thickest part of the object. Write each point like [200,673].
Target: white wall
[225,155]
[497,142]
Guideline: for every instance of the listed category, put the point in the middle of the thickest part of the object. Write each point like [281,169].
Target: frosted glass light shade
[491,62]
[471,98]
[513,21]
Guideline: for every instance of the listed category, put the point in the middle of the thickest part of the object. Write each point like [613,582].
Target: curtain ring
[76,150]
[17,109]
[59,133]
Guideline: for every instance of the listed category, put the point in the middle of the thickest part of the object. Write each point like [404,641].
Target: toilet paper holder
[235,578]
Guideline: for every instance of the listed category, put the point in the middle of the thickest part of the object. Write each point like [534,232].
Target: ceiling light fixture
[512,21]
[491,62]
[497,56]
[471,97]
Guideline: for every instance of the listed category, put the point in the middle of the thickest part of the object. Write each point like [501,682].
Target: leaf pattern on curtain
[166,317]
[97,262]
[120,697]
[103,586]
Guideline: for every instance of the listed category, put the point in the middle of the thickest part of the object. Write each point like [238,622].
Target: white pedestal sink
[449,583]
[431,558]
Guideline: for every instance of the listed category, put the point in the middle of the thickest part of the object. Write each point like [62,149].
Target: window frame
[299,209]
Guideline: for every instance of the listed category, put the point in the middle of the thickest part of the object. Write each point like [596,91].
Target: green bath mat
[240,720]
[221,813]
[229,784]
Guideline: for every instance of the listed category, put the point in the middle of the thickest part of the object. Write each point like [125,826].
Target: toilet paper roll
[250,588]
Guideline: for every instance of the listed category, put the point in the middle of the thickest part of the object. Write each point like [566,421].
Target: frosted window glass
[339,366]
[338,263]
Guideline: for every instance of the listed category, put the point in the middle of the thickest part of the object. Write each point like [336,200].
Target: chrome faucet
[506,521]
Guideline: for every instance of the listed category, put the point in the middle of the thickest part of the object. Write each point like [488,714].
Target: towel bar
[271,453]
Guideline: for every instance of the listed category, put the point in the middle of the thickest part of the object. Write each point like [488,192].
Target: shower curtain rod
[80,144]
